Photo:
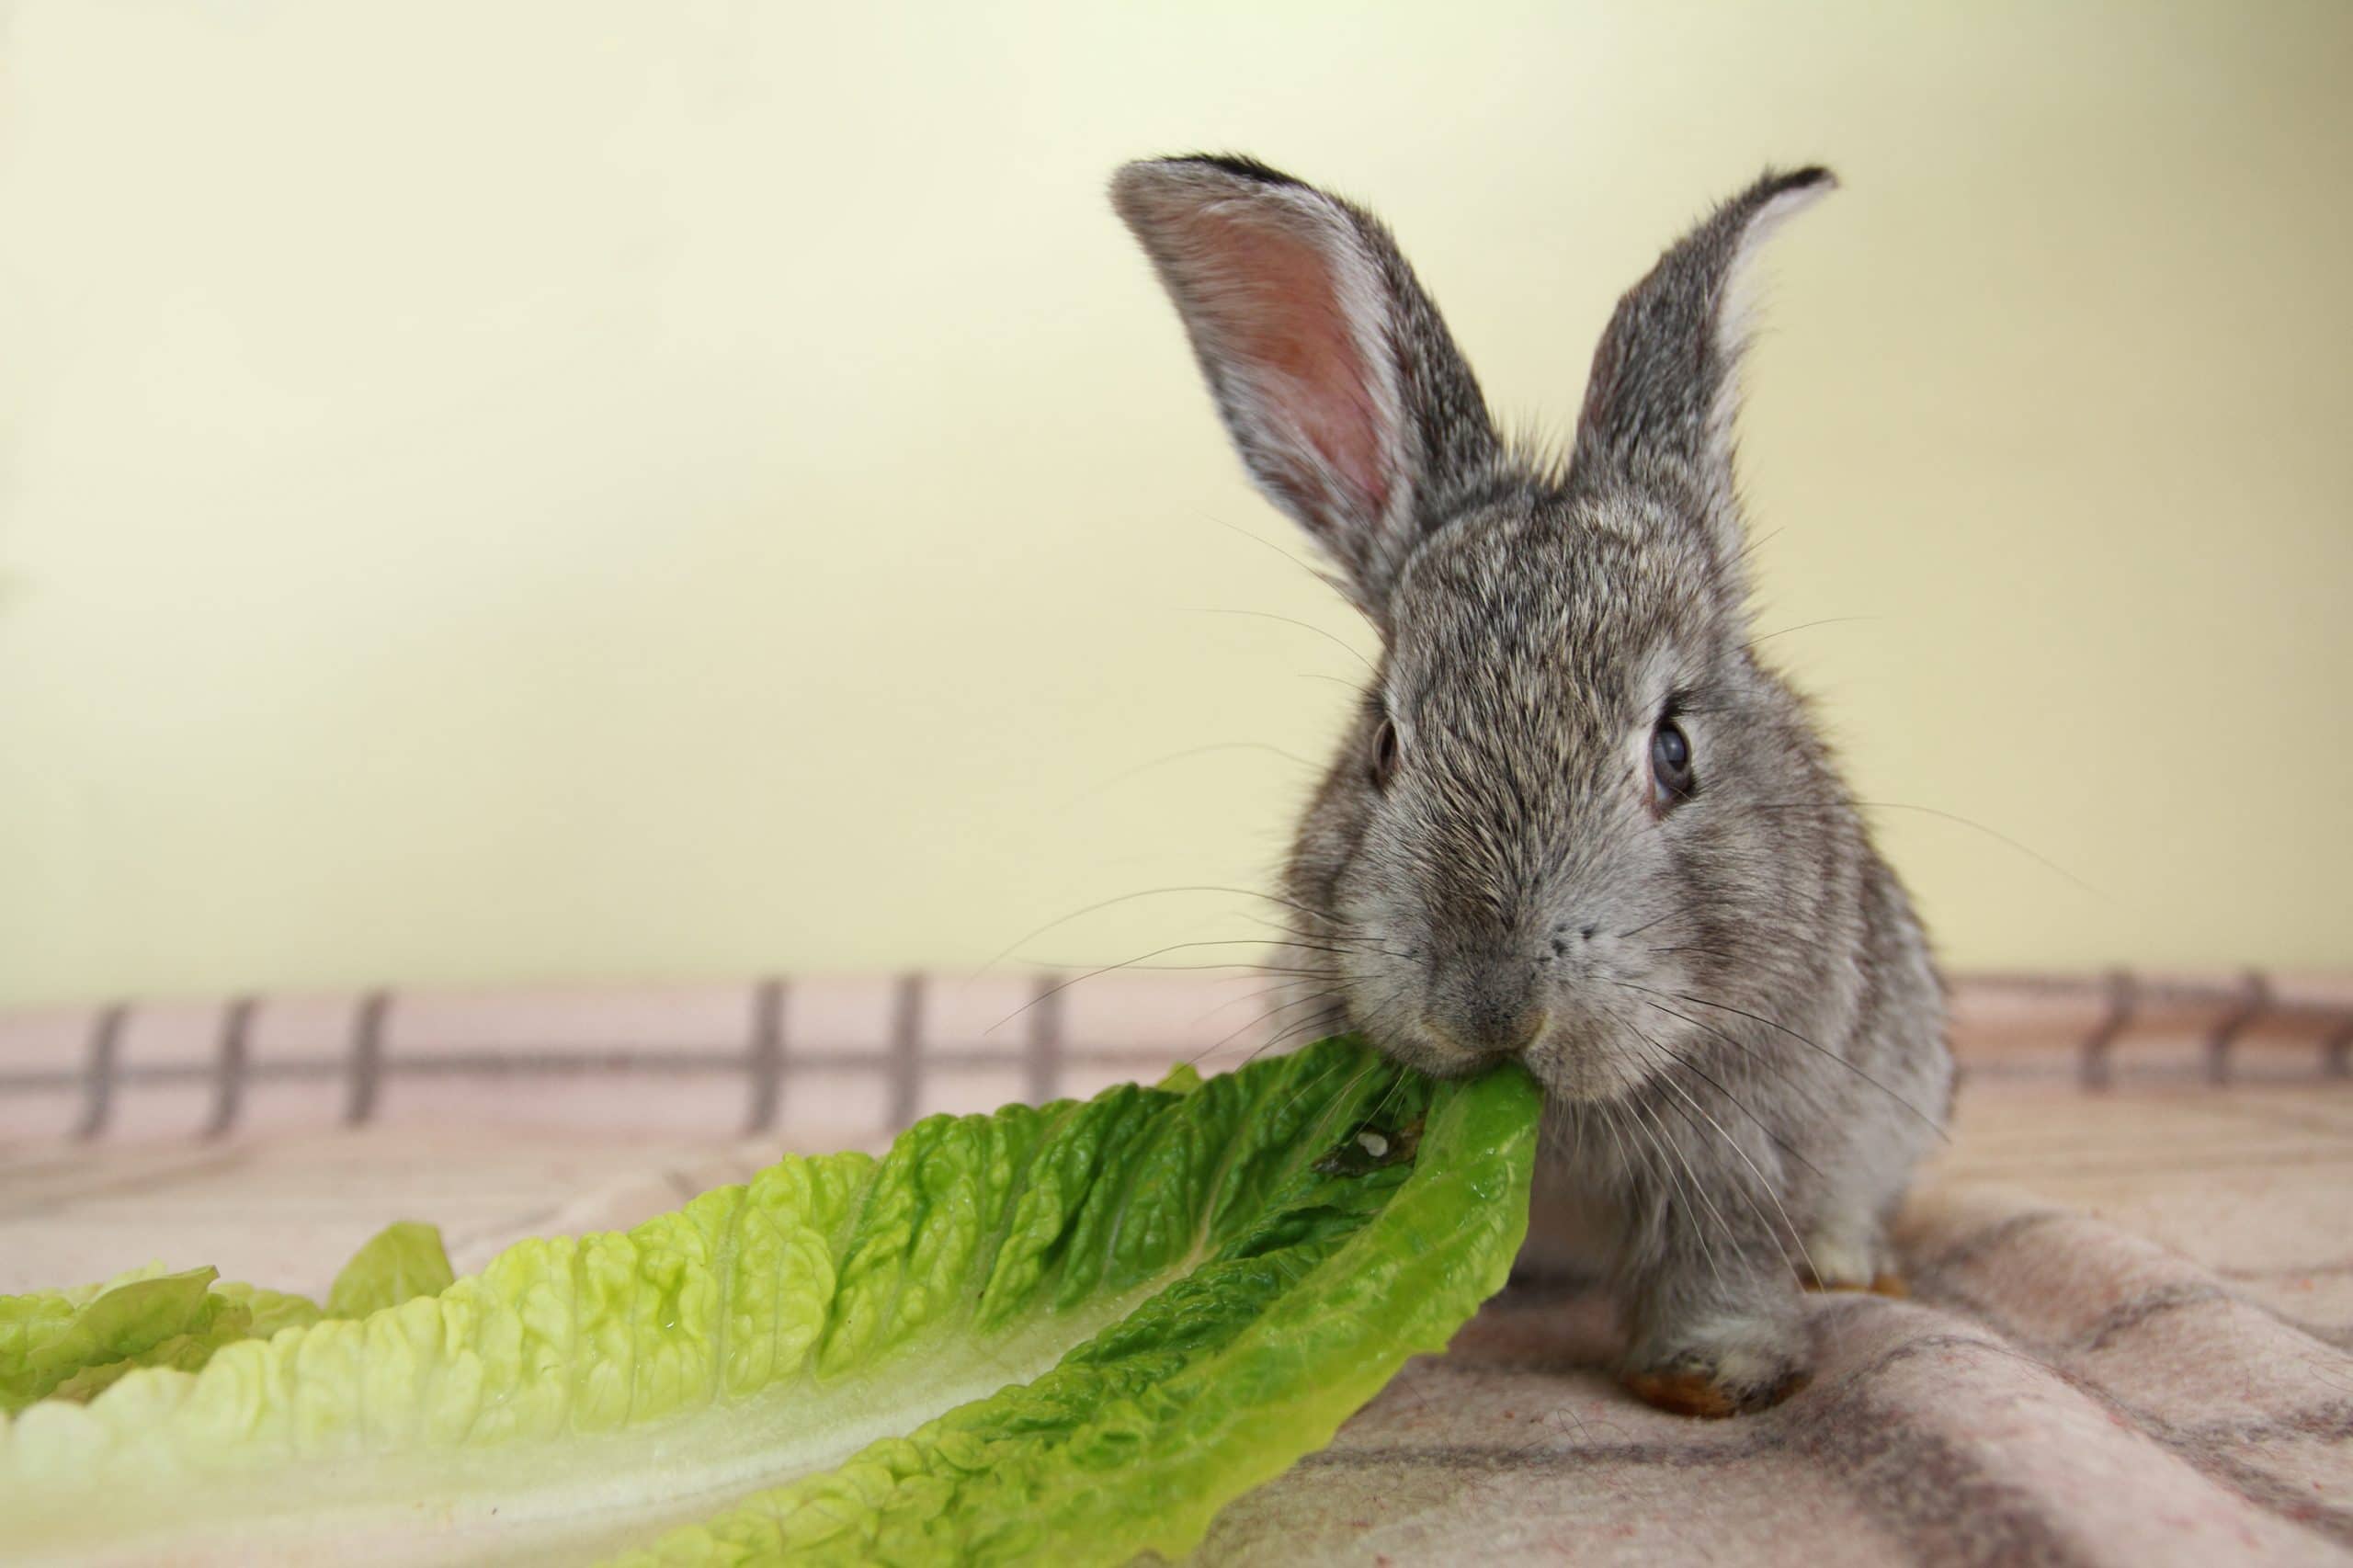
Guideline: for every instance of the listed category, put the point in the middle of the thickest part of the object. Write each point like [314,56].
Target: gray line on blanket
[2255,1000]
[1931,1491]
[142,1073]
[2199,1447]
[2126,1316]
[106,1047]
[366,1063]
[50,1206]
[1045,1055]
[503,1231]
[228,1085]
[906,1048]
[560,1063]
[145,1074]
[2122,1318]
[766,1068]
[1989,1238]
[2331,1421]
[2023,1171]
[2261,1488]
[2095,1072]
[2277,1116]
[1933,1279]
[509,1063]
[2332,1267]
[1543,1456]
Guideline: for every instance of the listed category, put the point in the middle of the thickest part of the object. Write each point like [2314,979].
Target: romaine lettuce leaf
[403,1260]
[72,1343]
[50,1338]
[1070,1332]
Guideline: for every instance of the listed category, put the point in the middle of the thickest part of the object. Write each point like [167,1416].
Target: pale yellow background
[517,492]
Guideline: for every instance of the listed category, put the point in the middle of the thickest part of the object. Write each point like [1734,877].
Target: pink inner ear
[1276,300]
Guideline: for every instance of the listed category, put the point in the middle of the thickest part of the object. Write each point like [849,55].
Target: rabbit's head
[1571,800]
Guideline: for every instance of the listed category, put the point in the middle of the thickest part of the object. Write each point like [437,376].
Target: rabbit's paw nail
[1733,1386]
[1881,1284]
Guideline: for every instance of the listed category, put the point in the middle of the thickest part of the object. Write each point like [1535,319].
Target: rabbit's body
[1575,820]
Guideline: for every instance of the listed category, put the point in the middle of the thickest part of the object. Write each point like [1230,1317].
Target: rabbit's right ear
[1347,400]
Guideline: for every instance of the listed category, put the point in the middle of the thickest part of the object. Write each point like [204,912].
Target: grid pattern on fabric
[780,1055]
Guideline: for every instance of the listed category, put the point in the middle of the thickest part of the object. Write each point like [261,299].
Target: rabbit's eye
[1672,782]
[1384,755]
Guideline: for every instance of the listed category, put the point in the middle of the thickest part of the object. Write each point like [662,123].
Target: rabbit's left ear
[1664,390]
[1344,395]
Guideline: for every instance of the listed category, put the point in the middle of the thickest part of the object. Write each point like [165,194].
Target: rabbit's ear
[1349,401]
[1664,390]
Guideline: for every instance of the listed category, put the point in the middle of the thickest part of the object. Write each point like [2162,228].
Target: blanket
[2129,1336]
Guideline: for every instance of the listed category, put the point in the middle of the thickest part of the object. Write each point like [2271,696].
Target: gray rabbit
[1576,821]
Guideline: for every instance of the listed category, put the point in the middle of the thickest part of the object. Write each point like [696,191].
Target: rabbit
[1576,822]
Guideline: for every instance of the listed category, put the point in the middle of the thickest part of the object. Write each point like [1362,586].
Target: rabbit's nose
[1504,1012]
[1520,1032]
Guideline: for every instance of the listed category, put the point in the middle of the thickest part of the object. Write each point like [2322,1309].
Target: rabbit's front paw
[1734,1373]
[1854,1259]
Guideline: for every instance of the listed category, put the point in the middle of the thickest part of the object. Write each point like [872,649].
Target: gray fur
[1729,1003]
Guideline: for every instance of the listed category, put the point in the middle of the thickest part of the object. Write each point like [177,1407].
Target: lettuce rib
[1074,1331]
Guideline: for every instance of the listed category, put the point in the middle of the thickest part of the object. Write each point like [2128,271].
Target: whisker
[1925,1120]
[1236,966]
[1293,1031]
[1808,626]
[1664,1143]
[1206,1014]
[1332,638]
[1734,1143]
[1264,544]
[1335,680]
[1748,1051]
[1268,1015]
[1301,1093]
[2034,855]
[1106,969]
[1616,1143]
[1141,768]
[1729,1098]
[1130,898]
[1730,1236]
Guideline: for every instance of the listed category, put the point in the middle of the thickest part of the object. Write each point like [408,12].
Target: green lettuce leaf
[1071,1333]
[72,1344]
[401,1261]
[50,1338]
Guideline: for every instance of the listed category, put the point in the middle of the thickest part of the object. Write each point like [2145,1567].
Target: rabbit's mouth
[1422,1046]
[1568,1069]
[1448,1057]
[1421,1037]
[1585,1066]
